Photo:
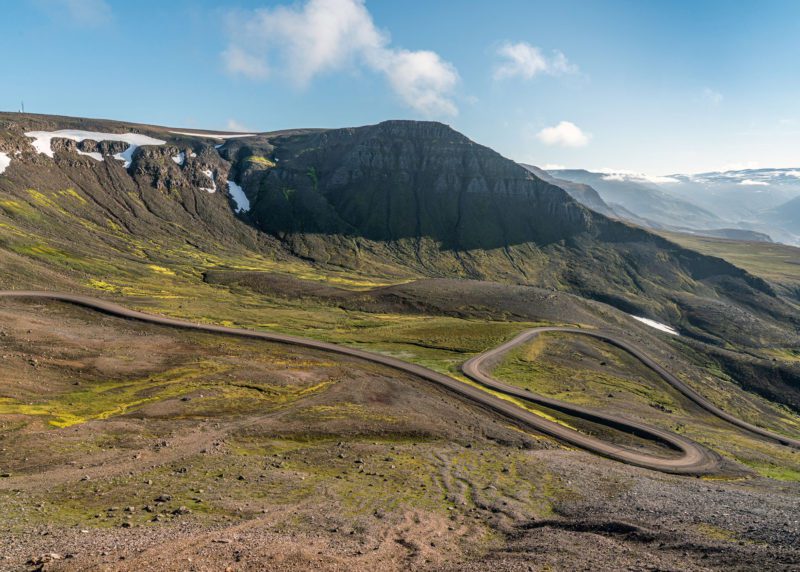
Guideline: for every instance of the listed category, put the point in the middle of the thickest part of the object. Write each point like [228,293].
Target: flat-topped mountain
[407,179]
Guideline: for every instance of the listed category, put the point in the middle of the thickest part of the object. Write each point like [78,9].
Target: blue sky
[652,87]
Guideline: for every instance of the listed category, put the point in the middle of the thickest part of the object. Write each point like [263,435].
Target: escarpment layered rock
[405,179]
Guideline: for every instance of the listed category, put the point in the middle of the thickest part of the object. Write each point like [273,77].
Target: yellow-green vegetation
[775,471]
[16,208]
[589,372]
[771,261]
[341,411]
[161,269]
[440,343]
[105,399]
[716,533]
[260,160]
[786,354]
[554,364]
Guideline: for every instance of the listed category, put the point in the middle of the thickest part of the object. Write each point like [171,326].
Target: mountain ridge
[403,198]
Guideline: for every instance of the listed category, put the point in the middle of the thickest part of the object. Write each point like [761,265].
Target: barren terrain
[184,450]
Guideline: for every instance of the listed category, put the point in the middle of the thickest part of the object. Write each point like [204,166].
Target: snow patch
[213,188]
[214,135]
[180,158]
[622,175]
[238,196]
[5,161]
[192,154]
[753,183]
[657,325]
[93,154]
[42,141]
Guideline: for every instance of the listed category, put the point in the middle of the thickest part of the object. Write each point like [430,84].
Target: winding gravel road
[478,369]
[473,369]
[689,458]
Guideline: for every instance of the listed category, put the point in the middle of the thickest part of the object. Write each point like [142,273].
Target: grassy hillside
[778,263]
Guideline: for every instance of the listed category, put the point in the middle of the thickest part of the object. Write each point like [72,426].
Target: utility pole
[23,107]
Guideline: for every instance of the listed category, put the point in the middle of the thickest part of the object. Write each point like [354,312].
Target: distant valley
[751,204]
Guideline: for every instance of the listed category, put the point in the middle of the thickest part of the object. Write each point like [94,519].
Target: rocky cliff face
[584,194]
[421,180]
[95,206]
[405,179]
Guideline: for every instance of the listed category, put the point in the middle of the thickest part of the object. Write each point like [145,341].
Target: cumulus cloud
[522,60]
[565,134]
[323,36]
[421,79]
[712,96]
[753,183]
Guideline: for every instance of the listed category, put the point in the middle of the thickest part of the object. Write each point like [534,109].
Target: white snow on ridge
[93,154]
[180,158]
[43,141]
[753,183]
[623,175]
[214,135]
[213,188]
[5,161]
[657,325]
[238,196]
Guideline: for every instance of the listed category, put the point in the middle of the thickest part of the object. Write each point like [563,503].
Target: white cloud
[88,13]
[525,61]
[553,167]
[238,61]
[565,134]
[753,183]
[233,125]
[324,36]
[712,96]
[421,79]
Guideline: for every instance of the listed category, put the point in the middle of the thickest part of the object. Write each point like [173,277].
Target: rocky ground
[126,446]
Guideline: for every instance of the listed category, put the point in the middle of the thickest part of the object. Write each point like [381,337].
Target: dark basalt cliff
[413,180]
[406,179]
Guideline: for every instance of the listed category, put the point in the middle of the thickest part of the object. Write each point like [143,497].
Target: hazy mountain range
[750,204]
